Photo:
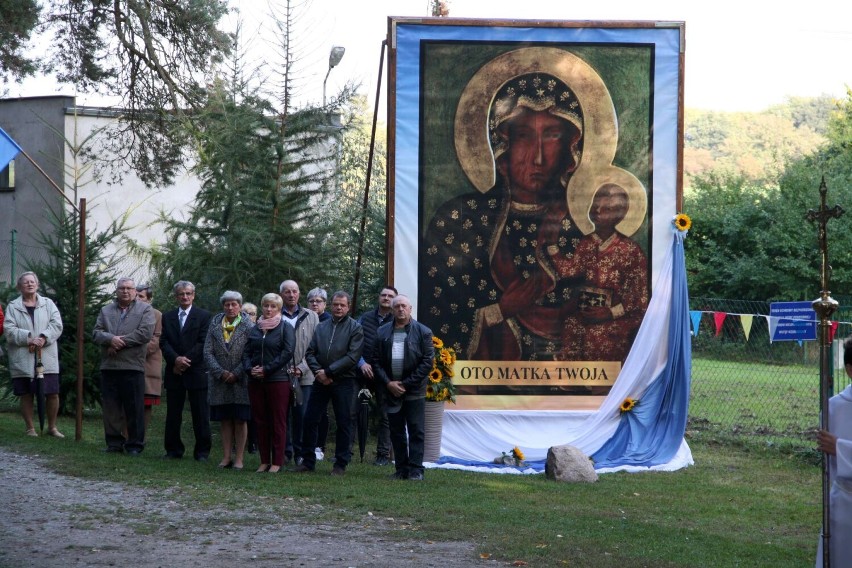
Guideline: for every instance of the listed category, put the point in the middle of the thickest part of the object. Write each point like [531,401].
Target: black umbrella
[39,384]
[364,396]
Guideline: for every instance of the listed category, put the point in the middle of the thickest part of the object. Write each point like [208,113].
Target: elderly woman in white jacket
[33,323]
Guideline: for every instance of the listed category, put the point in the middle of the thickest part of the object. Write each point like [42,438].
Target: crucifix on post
[824,306]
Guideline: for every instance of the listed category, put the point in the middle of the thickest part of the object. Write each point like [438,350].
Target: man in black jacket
[333,356]
[371,321]
[182,343]
[404,355]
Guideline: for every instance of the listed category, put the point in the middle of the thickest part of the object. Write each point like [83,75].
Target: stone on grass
[567,463]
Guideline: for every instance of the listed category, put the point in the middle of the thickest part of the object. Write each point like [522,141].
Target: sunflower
[435,376]
[445,357]
[519,455]
[682,222]
[437,343]
[628,404]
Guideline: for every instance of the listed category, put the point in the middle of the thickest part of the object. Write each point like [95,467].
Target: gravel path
[49,520]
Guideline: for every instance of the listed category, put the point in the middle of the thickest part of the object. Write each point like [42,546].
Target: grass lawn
[735,507]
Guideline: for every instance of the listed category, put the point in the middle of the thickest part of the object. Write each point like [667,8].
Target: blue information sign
[797,321]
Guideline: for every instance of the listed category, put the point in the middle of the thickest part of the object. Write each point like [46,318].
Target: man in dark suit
[182,343]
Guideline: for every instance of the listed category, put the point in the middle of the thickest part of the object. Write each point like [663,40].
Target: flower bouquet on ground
[514,457]
[440,387]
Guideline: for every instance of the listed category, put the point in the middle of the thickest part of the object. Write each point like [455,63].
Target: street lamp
[334,58]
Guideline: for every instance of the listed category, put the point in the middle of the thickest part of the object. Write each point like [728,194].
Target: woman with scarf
[227,380]
[266,358]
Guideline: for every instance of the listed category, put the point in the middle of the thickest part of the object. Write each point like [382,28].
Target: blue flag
[8,149]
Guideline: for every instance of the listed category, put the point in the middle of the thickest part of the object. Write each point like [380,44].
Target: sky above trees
[740,56]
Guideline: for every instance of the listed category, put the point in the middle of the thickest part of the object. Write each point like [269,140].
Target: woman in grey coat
[33,325]
[227,380]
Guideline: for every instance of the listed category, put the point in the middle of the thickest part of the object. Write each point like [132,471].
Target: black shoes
[381,460]
[415,476]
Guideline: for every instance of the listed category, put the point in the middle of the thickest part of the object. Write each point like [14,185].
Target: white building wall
[107,201]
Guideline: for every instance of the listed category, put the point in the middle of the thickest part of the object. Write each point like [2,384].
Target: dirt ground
[49,520]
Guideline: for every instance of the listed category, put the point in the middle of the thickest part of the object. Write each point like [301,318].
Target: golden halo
[583,186]
[600,129]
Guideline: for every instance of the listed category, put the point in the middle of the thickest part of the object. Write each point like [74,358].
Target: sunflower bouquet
[440,387]
[514,457]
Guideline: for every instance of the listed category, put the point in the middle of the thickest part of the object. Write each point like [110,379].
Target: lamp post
[334,58]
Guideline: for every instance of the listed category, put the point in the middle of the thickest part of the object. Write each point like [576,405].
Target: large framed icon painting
[534,169]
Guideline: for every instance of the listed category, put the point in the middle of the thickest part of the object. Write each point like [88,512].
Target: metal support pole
[81,320]
[367,182]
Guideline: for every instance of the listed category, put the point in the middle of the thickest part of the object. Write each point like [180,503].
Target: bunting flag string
[747,320]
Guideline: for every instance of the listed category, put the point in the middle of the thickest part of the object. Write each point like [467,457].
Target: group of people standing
[277,372]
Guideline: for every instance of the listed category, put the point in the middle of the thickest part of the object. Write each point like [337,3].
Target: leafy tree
[751,240]
[19,18]
[811,112]
[755,145]
[345,207]
[151,56]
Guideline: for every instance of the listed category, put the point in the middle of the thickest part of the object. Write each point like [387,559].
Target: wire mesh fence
[749,388]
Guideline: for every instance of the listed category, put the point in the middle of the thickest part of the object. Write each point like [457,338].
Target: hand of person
[257,372]
[35,342]
[520,294]
[596,314]
[827,442]
[367,370]
[322,378]
[183,363]
[117,343]
[396,388]
[228,377]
